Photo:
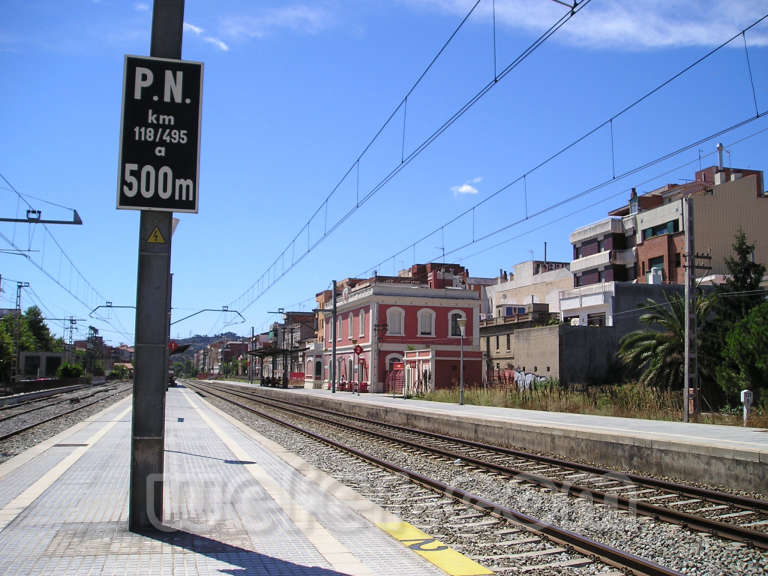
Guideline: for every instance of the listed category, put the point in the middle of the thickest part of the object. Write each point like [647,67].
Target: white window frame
[362,322]
[450,323]
[339,326]
[390,315]
[388,359]
[420,314]
[350,324]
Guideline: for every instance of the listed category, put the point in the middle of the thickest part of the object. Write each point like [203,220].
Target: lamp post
[355,359]
[462,326]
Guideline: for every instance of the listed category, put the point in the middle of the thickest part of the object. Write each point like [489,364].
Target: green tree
[6,353]
[26,338]
[734,299]
[655,354]
[741,291]
[38,329]
[745,355]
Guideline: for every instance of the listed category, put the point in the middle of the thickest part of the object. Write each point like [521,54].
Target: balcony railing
[583,296]
[591,261]
[607,226]
[604,258]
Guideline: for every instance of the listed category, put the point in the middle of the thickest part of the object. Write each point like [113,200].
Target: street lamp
[356,360]
[462,322]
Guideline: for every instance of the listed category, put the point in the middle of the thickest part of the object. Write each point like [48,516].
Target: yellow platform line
[433,551]
[441,555]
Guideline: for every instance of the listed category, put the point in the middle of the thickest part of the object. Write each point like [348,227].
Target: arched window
[426,322]
[338,328]
[454,317]
[362,322]
[391,359]
[395,321]
[350,329]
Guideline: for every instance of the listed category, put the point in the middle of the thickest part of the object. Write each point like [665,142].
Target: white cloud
[298,18]
[467,187]
[196,30]
[141,7]
[216,42]
[640,24]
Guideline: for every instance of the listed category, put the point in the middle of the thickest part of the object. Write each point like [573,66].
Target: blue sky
[293,93]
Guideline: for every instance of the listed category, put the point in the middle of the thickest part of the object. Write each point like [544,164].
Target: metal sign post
[157,174]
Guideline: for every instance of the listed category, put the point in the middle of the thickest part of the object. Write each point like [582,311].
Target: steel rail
[60,415]
[51,404]
[38,395]
[712,495]
[607,554]
[714,527]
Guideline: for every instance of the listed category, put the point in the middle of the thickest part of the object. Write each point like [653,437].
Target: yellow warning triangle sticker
[156,237]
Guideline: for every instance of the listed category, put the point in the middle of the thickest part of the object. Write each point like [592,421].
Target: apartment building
[643,242]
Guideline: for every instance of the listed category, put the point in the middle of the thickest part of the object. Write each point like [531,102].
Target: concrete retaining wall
[736,469]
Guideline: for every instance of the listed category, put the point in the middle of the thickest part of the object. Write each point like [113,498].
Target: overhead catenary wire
[590,190]
[271,276]
[274,279]
[62,254]
[608,122]
[614,195]
[60,284]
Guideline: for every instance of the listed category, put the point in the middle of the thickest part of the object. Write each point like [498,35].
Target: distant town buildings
[546,319]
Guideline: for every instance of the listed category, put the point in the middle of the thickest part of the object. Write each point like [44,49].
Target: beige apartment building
[643,242]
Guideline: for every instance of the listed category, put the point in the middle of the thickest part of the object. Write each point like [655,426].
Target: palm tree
[657,353]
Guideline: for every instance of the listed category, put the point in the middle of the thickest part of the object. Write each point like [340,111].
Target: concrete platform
[235,503]
[730,456]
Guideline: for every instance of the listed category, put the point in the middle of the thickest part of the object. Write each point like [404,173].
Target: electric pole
[691,389]
[17,336]
[251,357]
[333,339]
[690,404]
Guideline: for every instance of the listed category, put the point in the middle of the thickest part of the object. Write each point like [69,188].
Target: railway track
[16,423]
[17,400]
[721,514]
[71,396]
[504,539]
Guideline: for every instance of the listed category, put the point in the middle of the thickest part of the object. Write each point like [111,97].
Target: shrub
[68,370]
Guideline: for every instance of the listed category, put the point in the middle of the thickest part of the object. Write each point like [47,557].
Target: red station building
[406,330]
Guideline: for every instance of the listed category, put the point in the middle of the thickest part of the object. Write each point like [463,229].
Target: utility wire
[271,276]
[635,170]
[603,200]
[86,305]
[608,122]
[121,329]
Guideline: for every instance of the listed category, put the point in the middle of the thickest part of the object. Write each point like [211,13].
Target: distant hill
[198,342]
